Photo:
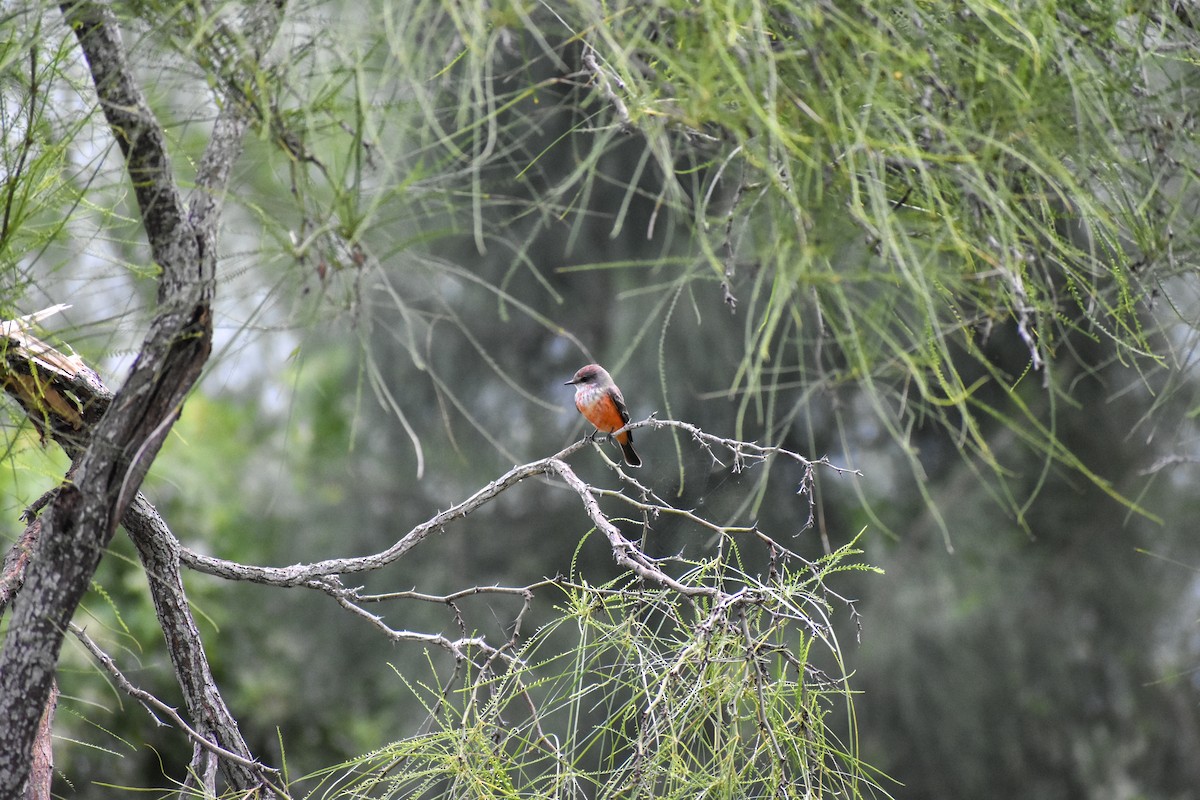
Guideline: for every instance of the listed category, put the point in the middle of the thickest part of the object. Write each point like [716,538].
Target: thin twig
[152,703]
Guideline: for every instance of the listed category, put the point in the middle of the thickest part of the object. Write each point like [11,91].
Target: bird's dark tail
[631,456]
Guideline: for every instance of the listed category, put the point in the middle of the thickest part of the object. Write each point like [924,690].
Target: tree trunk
[82,517]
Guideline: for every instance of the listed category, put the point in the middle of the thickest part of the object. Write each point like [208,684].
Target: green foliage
[925,205]
[938,132]
[887,188]
[638,692]
[35,147]
[29,469]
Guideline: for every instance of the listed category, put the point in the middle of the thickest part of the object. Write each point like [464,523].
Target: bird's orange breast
[598,407]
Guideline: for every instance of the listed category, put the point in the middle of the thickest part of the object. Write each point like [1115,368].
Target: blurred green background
[895,195]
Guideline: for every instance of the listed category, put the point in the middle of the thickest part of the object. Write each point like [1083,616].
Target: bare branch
[152,704]
[602,78]
[624,551]
[162,556]
[474,591]
[158,550]
[458,647]
[316,575]
[744,453]
[312,574]
[13,575]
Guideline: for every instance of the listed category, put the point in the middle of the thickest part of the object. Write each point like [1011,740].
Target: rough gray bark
[81,518]
[159,552]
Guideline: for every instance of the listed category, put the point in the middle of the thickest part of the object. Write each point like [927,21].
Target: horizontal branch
[313,574]
[474,591]
[323,575]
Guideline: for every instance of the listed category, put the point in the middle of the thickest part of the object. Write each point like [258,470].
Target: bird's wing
[620,401]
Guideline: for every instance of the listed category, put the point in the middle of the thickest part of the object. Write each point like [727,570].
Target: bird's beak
[569,383]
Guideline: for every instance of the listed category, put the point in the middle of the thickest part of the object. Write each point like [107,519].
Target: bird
[601,403]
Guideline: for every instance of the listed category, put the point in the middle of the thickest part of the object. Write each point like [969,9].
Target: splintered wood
[60,394]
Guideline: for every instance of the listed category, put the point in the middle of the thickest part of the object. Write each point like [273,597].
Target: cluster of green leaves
[634,691]
[961,143]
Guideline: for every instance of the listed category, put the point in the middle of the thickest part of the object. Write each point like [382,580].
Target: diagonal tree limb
[215,724]
[153,704]
[83,515]
[324,575]
[67,394]
[15,562]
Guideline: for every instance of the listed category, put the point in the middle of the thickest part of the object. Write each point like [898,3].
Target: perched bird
[601,403]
